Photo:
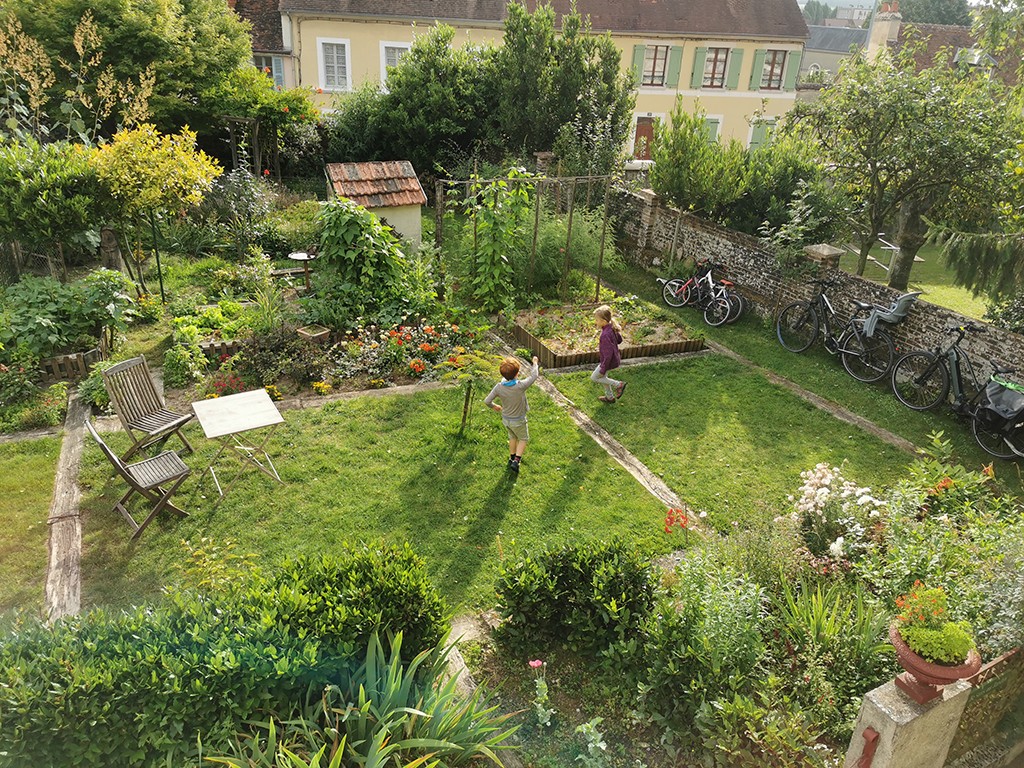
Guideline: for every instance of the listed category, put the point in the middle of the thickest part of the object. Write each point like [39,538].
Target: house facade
[739,59]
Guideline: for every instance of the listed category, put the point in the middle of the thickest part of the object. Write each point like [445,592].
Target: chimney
[885,28]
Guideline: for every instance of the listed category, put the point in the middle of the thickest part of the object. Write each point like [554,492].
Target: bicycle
[866,357]
[923,378]
[702,289]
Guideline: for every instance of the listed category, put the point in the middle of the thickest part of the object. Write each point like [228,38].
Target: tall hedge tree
[190,45]
[948,12]
[901,140]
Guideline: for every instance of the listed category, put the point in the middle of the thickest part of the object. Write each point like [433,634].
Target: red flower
[266,171]
[284,109]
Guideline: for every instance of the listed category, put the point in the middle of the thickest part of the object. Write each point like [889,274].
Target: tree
[816,12]
[999,25]
[190,45]
[951,12]
[900,141]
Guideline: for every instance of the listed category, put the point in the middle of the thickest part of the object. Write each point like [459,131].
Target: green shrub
[584,597]
[46,409]
[17,379]
[148,309]
[150,680]
[297,227]
[91,390]
[267,358]
[184,363]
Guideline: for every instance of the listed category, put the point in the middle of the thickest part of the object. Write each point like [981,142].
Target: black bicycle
[866,356]
[923,379]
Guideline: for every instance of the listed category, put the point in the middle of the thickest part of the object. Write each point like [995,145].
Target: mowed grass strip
[26,490]
[727,440]
[389,468]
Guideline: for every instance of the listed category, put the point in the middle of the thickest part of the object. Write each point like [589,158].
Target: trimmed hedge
[583,597]
[138,688]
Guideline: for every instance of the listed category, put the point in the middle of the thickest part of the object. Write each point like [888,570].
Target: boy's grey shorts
[518,431]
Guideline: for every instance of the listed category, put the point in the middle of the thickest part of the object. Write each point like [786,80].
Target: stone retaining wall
[658,237]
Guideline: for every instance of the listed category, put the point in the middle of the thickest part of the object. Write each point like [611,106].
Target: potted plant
[932,649]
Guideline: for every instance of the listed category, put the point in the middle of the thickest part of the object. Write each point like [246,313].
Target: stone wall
[658,237]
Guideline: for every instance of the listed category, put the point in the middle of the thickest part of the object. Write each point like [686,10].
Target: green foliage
[184,47]
[48,317]
[816,12]
[91,390]
[596,750]
[694,171]
[1008,314]
[185,362]
[956,13]
[46,409]
[351,130]
[240,203]
[17,377]
[52,196]
[814,215]
[204,661]
[579,596]
[147,172]
[924,624]
[297,227]
[280,352]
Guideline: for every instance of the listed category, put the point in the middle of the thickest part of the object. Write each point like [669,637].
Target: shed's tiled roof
[835,39]
[378,184]
[266,24]
[727,18]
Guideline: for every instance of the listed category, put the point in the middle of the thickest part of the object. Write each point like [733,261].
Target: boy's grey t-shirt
[513,397]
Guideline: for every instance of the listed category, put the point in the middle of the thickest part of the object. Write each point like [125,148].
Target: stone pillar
[824,254]
[647,217]
[901,733]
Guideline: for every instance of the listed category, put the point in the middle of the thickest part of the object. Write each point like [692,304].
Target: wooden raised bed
[219,347]
[550,359]
[73,367]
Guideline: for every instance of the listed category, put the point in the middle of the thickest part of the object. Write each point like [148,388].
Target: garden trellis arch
[557,192]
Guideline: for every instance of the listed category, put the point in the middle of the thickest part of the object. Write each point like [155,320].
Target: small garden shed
[389,189]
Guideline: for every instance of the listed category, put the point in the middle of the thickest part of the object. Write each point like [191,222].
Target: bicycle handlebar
[968,327]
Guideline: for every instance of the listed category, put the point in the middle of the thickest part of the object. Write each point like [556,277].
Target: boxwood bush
[583,597]
[139,687]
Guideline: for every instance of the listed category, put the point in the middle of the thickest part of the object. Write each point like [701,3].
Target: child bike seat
[895,312]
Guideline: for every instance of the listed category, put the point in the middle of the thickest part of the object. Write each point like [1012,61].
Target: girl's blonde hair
[605,313]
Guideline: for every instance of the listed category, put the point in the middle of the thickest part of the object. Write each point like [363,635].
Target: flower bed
[566,335]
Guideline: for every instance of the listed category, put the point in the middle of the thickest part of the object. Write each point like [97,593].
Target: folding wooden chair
[140,407]
[147,478]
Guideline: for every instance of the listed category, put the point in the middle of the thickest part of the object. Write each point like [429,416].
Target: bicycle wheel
[920,380]
[867,358]
[997,441]
[797,326]
[735,308]
[676,293]
[717,312]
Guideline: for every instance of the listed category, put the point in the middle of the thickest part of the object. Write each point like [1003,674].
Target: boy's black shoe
[514,464]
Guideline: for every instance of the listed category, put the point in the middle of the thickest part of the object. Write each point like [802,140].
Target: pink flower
[536,663]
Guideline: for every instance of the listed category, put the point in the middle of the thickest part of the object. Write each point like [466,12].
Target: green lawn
[727,440]
[26,489]
[930,275]
[388,467]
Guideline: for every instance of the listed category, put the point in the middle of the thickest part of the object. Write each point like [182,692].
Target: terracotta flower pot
[923,680]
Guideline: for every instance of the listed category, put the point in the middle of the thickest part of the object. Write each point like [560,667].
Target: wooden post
[568,235]
[159,269]
[675,236]
[439,202]
[604,230]
[536,227]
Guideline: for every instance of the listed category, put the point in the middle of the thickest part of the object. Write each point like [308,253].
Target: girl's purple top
[609,348]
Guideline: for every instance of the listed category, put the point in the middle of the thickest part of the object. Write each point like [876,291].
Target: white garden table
[225,418]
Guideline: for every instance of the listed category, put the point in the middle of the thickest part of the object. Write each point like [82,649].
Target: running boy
[513,408]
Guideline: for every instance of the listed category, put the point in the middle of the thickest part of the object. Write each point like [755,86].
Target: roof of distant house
[939,36]
[266,23]
[835,39]
[387,184]
[735,18]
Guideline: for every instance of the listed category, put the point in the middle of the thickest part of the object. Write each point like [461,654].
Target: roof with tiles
[387,184]
[266,23]
[939,36]
[732,18]
[835,39]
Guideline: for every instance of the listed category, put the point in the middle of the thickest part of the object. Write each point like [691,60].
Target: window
[655,63]
[334,65]
[714,67]
[771,75]
[273,66]
[390,55]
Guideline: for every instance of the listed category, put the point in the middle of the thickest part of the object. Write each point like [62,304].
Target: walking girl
[609,350]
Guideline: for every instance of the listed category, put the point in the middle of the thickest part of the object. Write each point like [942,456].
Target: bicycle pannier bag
[1006,402]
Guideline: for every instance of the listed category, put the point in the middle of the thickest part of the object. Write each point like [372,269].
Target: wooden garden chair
[156,479]
[140,407]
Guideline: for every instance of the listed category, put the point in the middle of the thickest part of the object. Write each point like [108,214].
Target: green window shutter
[675,63]
[638,63]
[732,77]
[699,56]
[792,69]
[759,135]
[711,125]
[758,69]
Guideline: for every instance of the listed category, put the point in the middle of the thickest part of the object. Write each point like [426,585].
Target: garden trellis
[547,195]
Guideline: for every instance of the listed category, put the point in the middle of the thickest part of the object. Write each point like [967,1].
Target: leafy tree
[545,81]
[90,101]
[352,129]
[435,99]
[190,45]
[900,141]
[695,172]
[999,25]
[816,12]
[951,12]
